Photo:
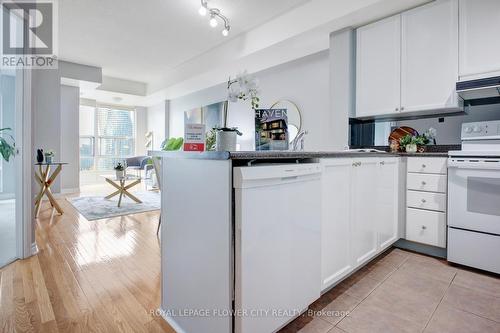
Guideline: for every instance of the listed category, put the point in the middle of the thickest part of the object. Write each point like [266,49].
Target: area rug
[97,207]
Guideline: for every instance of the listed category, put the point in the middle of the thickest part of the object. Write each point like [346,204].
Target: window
[107,136]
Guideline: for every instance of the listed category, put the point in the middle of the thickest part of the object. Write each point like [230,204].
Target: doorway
[12,187]
[11,99]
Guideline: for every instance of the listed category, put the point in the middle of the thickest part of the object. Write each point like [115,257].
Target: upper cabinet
[479,47]
[408,64]
[378,68]
[429,57]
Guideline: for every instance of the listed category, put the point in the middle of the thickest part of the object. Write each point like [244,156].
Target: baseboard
[70,190]
[171,321]
[421,248]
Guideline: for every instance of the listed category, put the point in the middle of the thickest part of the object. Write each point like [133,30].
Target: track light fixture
[215,16]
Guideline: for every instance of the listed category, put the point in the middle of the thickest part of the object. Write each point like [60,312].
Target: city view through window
[107,136]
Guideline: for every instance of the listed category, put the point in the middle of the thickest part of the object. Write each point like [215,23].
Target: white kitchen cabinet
[426,227]
[378,64]
[428,165]
[360,213]
[364,233]
[479,23]
[429,57]
[426,182]
[407,64]
[387,202]
[426,200]
[336,261]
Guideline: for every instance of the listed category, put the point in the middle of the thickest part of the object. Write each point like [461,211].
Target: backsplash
[448,128]
[430,148]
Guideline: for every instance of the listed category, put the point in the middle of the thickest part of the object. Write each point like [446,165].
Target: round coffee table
[122,186]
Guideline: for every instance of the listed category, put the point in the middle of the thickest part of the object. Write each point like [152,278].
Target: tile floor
[406,292]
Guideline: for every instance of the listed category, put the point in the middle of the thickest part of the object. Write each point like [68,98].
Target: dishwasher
[277,244]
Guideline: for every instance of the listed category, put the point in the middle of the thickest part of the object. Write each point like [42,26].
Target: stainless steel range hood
[480,90]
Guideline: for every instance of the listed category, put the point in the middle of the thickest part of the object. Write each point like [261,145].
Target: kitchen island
[231,264]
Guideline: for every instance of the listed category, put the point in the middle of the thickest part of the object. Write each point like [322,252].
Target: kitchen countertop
[271,155]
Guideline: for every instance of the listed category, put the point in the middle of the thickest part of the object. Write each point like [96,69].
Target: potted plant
[421,142]
[172,144]
[7,149]
[49,155]
[413,144]
[244,87]
[120,171]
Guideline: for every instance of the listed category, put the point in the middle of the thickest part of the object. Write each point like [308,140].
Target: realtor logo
[29,34]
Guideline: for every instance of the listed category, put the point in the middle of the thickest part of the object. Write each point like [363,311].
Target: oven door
[474,194]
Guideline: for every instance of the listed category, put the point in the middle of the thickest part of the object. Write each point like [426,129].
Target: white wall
[70,107]
[157,121]
[304,81]
[141,123]
[342,85]
[46,101]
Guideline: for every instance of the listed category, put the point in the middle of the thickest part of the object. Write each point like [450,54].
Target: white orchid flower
[233,97]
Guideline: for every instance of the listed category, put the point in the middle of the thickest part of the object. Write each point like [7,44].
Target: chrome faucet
[299,139]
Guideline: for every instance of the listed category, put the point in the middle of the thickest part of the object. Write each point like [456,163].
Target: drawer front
[427,165]
[426,200]
[428,183]
[473,249]
[425,226]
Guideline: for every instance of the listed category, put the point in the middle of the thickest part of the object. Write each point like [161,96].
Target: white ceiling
[143,40]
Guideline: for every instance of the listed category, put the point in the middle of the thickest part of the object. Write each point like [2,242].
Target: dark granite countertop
[274,155]
[424,154]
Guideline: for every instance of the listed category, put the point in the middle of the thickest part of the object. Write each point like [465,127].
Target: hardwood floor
[100,276]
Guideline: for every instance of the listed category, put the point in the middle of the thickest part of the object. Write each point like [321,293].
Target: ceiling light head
[213,21]
[215,16]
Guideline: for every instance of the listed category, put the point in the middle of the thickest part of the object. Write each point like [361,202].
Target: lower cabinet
[360,209]
[388,202]
[426,227]
[364,222]
[426,200]
[335,226]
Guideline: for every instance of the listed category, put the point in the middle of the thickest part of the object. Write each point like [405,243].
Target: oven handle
[474,165]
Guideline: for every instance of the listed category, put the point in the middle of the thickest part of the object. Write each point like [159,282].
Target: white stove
[480,139]
[474,197]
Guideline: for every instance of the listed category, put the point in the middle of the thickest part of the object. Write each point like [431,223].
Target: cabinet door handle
[397,109]
[382,163]
[424,201]
[423,165]
[424,227]
[424,183]
[402,108]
